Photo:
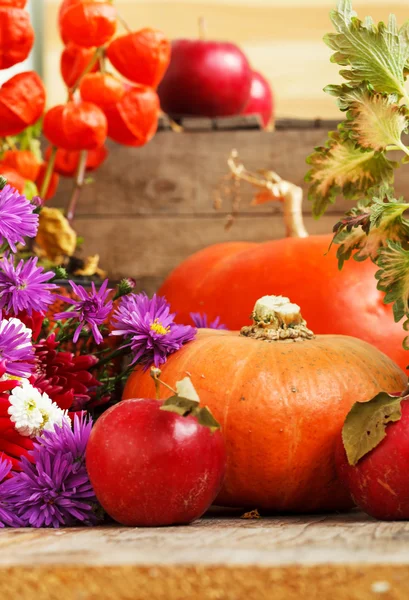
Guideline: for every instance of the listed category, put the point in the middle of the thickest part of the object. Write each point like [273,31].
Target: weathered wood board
[334,557]
[149,208]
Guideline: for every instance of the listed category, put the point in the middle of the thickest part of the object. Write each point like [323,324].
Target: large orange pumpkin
[344,302]
[281,405]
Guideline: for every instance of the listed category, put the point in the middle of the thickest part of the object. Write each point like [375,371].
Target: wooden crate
[151,207]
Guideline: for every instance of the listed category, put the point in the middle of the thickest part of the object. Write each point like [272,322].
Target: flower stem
[48,173]
[114,354]
[98,54]
[124,23]
[78,185]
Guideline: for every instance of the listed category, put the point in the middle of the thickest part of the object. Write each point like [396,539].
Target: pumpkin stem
[270,187]
[276,318]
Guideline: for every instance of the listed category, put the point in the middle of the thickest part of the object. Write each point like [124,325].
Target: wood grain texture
[148,248]
[149,208]
[335,557]
[282,39]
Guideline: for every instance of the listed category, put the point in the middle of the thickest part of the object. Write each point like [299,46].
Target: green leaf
[365,425]
[181,406]
[373,228]
[375,54]
[186,402]
[186,407]
[374,121]
[341,167]
[393,277]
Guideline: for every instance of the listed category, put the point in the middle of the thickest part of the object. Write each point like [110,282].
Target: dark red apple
[261,99]
[379,481]
[150,467]
[206,79]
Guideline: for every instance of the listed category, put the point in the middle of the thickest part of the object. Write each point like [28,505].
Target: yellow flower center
[157,327]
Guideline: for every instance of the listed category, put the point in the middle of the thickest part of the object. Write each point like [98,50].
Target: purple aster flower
[67,439]
[17,218]
[150,328]
[7,512]
[55,490]
[200,320]
[24,287]
[16,347]
[92,309]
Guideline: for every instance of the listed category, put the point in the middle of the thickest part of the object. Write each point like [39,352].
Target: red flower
[64,376]
[33,322]
[12,444]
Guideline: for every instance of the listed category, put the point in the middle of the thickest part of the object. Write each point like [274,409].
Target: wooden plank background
[282,38]
[151,207]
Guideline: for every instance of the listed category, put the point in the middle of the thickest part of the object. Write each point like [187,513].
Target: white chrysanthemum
[32,411]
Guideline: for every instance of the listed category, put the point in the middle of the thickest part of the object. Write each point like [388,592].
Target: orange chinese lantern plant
[17,36]
[15,3]
[14,179]
[74,61]
[87,23]
[23,161]
[141,56]
[22,102]
[281,395]
[341,302]
[133,120]
[67,161]
[76,125]
[103,89]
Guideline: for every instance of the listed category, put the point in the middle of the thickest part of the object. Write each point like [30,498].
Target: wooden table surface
[348,557]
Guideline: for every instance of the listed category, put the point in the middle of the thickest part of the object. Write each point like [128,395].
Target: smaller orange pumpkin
[281,396]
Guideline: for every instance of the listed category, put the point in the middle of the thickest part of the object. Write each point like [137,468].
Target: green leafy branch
[355,162]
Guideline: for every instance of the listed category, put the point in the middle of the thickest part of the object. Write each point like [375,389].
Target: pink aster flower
[16,348]
[17,218]
[201,321]
[24,287]
[149,328]
[91,309]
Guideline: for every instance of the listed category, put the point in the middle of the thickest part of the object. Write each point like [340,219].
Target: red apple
[206,79]
[379,481]
[261,99]
[150,467]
